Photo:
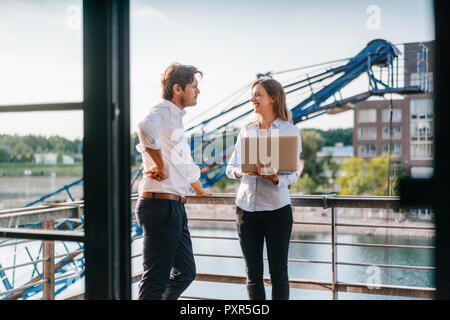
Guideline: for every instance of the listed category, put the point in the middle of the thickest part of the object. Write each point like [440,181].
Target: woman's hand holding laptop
[263,172]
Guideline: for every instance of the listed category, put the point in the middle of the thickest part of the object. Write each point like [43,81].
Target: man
[169,171]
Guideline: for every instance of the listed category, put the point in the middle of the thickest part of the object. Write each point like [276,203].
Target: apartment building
[412,126]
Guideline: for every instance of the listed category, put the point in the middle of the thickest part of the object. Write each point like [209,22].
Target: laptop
[277,153]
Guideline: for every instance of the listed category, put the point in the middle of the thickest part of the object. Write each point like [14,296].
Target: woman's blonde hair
[276,92]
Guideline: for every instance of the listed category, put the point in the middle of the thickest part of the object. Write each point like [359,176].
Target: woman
[263,205]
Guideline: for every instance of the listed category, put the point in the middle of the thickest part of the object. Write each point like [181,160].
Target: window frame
[366,110]
[364,131]
[106,158]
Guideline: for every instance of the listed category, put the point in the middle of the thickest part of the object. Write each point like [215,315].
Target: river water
[297,270]
[15,194]
[314,271]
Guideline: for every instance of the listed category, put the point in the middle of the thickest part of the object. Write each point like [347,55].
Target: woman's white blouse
[259,194]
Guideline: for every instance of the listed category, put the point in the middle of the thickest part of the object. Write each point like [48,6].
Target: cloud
[147,12]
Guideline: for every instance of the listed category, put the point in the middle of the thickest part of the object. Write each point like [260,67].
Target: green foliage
[22,152]
[304,184]
[22,148]
[327,163]
[363,177]
[332,136]
[396,181]
[5,157]
[222,183]
[17,169]
[312,142]
[353,182]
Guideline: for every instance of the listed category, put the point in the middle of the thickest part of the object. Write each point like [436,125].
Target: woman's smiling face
[262,102]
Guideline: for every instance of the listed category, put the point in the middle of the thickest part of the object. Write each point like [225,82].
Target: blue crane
[322,92]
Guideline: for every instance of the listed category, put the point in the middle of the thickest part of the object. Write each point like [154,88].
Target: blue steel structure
[380,62]
[313,95]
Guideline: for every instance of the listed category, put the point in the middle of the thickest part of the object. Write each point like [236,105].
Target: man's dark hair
[177,73]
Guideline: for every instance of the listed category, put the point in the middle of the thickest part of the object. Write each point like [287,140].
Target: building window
[367,133]
[367,150]
[396,149]
[422,151]
[422,130]
[396,115]
[424,81]
[367,115]
[396,132]
[396,168]
[422,127]
[422,109]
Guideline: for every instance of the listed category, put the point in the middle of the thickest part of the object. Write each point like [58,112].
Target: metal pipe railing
[326,202]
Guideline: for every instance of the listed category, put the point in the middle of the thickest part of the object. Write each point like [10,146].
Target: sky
[230,41]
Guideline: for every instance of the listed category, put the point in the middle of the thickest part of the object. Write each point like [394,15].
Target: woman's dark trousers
[275,227]
[169,265]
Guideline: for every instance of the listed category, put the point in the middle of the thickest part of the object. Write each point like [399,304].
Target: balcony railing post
[48,265]
[334,253]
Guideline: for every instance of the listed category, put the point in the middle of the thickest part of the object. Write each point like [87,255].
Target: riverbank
[41,170]
[16,192]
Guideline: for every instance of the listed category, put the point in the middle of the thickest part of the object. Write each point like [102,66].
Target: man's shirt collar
[175,111]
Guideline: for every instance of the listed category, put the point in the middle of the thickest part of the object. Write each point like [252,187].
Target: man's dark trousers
[169,265]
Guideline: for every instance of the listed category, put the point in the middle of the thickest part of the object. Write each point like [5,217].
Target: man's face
[190,93]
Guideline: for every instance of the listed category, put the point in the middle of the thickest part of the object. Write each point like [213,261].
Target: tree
[59,158]
[378,169]
[304,184]
[329,165]
[312,142]
[396,181]
[4,156]
[363,177]
[355,179]
[22,152]
[332,136]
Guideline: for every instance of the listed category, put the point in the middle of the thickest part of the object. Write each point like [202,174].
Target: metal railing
[74,210]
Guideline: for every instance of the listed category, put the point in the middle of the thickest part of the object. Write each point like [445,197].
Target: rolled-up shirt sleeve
[286,179]
[235,160]
[193,171]
[148,131]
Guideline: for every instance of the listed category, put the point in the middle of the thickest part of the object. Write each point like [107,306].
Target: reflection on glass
[18,275]
[40,153]
[41,166]
[40,51]
[233,46]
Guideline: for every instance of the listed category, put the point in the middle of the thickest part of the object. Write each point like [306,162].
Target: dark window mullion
[106,168]
[123,221]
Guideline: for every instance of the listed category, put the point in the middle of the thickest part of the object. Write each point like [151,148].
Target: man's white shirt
[163,129]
